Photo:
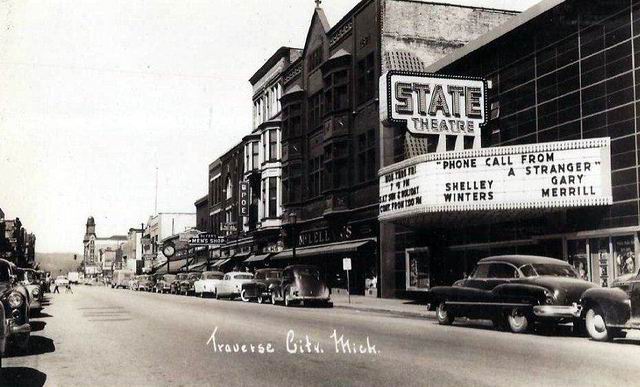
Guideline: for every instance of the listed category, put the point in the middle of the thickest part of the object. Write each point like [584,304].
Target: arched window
[229,188]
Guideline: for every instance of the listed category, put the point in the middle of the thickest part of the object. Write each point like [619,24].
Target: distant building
[132,258]
[159,227]
[202,213]
[100,253]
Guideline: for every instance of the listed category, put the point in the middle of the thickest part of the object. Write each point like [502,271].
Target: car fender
[613,303]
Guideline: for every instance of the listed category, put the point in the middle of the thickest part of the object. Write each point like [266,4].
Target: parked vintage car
[132,284]
[301,284]
[29,279]
[121,278]
[175,284]
[259,288]
[607,311]
[144,283]
[513,291]
[16,310]
[207,283]
[231,284]
[163,284]
[186,284]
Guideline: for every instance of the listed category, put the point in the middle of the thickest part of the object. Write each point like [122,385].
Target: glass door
[418,270]
[578,257]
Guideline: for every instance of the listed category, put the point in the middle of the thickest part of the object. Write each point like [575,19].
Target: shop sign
[346,264]
[244,198]
[546,175]
[206,239]
[434,104]
[325,235]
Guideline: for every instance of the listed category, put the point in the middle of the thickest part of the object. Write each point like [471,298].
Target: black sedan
[260,287]
[513,291]
[301,284]
[607,311]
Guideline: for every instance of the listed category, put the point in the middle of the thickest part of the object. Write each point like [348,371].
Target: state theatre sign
[433,103]
[545,175]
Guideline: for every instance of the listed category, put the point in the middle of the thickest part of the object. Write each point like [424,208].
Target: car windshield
[554,270]
[272,274]
[306,271]
[242,276]
[194,276]
[213,276]
[181,277]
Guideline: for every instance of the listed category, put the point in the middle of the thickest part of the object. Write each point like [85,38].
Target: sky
[95,95]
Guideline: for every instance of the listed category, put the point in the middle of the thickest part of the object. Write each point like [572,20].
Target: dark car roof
[519,260]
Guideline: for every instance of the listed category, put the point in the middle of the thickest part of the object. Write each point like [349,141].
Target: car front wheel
[444,317]
[518,321]
[597,327]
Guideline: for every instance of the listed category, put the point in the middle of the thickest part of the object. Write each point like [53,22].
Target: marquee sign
[434,104]
[544,175]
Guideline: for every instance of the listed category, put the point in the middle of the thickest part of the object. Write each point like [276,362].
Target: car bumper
[35,305]
[15,329]
[557,310]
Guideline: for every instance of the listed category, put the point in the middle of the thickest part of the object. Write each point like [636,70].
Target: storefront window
[577,250]
[625,255]
[418,270]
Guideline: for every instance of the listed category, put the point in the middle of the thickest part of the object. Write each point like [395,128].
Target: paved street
[101,336]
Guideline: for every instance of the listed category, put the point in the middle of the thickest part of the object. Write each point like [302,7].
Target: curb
[424,315]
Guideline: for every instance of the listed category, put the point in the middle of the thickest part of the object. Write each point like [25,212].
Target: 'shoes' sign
[434,104]
[545,175]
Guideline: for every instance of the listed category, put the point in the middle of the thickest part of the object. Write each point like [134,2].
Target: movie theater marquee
[545,175]
[434,104]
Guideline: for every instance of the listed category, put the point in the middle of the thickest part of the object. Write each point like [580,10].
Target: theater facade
[529,143]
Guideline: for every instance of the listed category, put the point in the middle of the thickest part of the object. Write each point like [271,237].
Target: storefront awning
[329,248]
[220,262]
[257,258]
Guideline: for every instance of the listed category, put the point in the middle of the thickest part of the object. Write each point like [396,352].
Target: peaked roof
[318,15]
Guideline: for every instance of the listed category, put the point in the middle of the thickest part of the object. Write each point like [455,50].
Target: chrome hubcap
[598,323]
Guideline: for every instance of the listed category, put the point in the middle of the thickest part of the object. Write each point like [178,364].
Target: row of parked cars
[518,291]
[21,295]
[295,284]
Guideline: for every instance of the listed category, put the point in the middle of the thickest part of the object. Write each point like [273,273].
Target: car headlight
[35,292]
[15,300]
[549,298]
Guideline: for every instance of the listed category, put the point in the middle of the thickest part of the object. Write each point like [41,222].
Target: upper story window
[336,86]
[315,176]
[229,192]
[316,108]
[270,145]
[255,150]
[366,78]
[314,59]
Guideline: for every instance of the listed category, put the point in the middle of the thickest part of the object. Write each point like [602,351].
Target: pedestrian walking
[68,290]
[56,290]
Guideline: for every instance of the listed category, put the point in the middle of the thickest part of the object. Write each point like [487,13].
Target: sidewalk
[398,307]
